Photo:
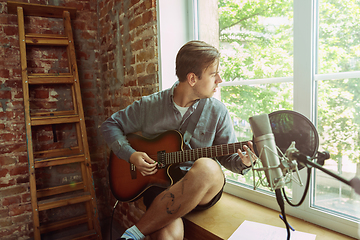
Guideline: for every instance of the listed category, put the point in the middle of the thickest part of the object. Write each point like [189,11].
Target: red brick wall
[116,49]
[129,64]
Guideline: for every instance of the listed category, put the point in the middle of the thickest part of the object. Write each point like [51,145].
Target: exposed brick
[148,17]
[5,94]
[145,56]
[140,68]
[11,200]
[7,160]
[12,191]
[137,45]
[135,23]
[26,197]
[18,209]
[8,136]
[107,85]
[4,73]
[3,172]
[147,80]
[41,93]
[10,30]
[7,183]
[5,223]
[151,68]
[19,170]
[133,2]
[4,212]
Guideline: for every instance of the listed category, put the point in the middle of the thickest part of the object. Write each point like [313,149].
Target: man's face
[207,85]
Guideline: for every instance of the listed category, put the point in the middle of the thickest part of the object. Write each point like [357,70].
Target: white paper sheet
[257,231]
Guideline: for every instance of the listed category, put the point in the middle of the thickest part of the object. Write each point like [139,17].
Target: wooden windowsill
[221,220]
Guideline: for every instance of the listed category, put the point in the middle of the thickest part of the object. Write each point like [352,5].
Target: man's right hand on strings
[143,163]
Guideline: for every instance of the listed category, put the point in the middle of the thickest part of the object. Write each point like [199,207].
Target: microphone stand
[354,183]
[280,201]
[306,160]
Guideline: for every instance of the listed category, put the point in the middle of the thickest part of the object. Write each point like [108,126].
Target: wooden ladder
[63,195]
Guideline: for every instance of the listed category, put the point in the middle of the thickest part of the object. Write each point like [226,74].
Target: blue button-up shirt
[156,114]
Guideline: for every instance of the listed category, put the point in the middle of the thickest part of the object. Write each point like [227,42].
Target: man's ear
[191,79]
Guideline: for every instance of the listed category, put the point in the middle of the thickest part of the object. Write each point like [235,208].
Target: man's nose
[218,78]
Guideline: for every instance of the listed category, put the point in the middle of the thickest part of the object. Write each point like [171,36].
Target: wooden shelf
[221,220]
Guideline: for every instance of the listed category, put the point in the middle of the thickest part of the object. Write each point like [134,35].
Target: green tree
[256,42]
[339,103]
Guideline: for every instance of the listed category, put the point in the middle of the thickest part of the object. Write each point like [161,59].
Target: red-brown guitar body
[127,184]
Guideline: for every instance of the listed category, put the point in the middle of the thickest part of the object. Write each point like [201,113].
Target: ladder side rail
[78,102]
[74,70]
[24,75]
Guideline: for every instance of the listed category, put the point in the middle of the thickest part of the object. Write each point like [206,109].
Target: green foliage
[338,101]
[256,43]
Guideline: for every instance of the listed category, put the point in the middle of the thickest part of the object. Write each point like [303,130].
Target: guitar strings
[199,152]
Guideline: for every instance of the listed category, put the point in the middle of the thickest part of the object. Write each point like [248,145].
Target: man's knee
[209,172]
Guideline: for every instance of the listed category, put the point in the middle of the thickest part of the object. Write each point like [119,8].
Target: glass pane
[339,131]
[249,100]
[256,39]
[339,41]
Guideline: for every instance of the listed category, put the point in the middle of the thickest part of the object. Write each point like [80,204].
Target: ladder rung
[59,189]
[57,152]
[59,161]
[54,113]
[46,39]
[88,235]
[51,79]
[49,227]
[32,9]
[64,201]
[36,121]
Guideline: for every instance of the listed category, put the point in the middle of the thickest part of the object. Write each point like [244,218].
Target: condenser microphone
[265,143]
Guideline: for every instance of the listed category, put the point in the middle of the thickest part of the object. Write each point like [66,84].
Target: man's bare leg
[173,231]
[198,187]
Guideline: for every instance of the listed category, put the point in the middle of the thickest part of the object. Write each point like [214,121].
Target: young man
[197,68]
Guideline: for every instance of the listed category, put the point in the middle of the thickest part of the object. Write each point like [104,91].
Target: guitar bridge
[132,171]
[161,159]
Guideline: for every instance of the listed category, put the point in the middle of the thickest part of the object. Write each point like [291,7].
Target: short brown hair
[194,57]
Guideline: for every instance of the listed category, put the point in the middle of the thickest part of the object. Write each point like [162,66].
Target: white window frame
[304,81]
[177,24]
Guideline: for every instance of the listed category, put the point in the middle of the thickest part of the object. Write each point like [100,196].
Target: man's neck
[183,95]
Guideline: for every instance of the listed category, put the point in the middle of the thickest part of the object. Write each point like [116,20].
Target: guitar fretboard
[209,152]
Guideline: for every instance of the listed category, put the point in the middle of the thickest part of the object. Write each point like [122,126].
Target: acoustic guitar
[127,184]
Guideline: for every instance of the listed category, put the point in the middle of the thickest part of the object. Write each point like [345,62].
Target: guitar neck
[194,154]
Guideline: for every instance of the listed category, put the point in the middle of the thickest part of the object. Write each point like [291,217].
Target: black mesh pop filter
[289,126]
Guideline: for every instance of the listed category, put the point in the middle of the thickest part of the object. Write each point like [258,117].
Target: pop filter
[288,126]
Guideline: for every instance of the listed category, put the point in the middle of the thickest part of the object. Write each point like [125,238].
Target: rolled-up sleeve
[116,127]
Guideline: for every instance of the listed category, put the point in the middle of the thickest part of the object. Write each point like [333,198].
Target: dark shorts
[151,193]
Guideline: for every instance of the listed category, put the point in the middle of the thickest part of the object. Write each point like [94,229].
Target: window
[301,56]
[256,44]
[338,104]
